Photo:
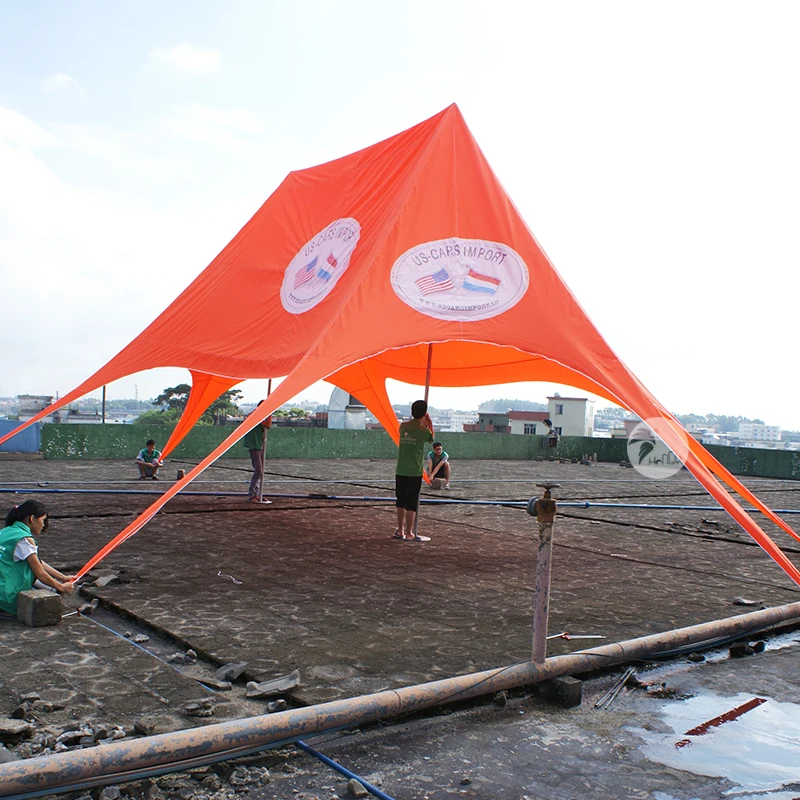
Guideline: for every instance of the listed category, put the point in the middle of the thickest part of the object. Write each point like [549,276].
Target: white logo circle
[316,269]
[463,280]
[649,455]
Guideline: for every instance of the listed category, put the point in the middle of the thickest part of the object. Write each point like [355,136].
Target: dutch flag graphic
[477,282]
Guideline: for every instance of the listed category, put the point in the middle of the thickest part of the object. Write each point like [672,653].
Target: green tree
[293,412]
[162,417]
[174,397]
[502,405]
[223,407]
[172,402]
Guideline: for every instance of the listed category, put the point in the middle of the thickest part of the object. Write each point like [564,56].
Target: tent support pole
[428,372]
[427,391]
[264,452]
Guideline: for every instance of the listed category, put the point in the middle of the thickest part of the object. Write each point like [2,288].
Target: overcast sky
[651,147]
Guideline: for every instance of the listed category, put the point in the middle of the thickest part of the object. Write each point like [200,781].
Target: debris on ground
[273,687]
[356,789]
[230,672]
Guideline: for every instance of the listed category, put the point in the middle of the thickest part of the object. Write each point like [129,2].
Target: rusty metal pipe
[116,761]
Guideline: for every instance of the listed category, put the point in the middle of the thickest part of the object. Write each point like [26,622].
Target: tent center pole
[427,391]
[264,452]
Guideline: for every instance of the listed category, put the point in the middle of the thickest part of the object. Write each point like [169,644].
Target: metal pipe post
[541,594]
[544,509]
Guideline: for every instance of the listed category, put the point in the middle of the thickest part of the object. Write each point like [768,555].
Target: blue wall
[29,441]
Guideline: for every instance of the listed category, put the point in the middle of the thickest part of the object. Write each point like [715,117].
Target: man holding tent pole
[254,441]
[414,438]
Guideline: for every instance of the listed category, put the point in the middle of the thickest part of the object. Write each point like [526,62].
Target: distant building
[699,427]
[571,416]
[31,404]
[452,421]
[721,439]
[755,432]
[489,422]
[346,412]
[528,422]
[736,440]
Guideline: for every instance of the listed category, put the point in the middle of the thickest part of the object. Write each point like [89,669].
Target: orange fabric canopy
[352,268]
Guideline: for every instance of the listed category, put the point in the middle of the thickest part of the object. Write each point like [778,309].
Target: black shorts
[407,488]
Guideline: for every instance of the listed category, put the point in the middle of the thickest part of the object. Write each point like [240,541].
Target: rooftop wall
[125,441]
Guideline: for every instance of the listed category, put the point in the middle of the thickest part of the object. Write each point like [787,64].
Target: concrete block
[564,691]
[39,607]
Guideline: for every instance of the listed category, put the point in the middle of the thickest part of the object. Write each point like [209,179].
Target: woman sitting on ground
[20,566]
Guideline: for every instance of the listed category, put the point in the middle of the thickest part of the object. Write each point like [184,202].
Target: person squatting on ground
[253,440]
[438,465]
[148,461]
[20,566]
[414,436]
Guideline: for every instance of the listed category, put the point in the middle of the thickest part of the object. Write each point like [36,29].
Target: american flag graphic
[305,274]
[438,282]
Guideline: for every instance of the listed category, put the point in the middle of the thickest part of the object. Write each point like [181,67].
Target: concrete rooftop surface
[319,586]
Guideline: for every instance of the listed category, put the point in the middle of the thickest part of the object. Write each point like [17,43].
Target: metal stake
[544,509]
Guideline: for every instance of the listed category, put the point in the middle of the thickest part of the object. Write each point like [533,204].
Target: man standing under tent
[438,467]
[414,437]
[253,441]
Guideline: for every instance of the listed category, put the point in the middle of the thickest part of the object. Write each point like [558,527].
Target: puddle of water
[756,747]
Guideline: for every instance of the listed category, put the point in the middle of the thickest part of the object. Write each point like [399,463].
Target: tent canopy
[351,268]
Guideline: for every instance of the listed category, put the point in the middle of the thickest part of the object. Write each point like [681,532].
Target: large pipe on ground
[128,760]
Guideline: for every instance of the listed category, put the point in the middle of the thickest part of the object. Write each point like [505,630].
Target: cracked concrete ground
[318,585]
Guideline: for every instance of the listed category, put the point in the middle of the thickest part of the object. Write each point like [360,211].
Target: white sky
[652,148]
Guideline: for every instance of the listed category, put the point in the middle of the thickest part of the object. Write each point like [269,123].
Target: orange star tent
[351,269]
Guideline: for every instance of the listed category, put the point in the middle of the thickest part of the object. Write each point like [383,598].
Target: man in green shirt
[253,441]
[148,461]
[414,437]
[438,466]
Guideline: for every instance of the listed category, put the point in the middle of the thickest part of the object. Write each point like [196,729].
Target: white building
[700,429]
[31,404]
[755,432]
[528,422]
[346,412]
[571,416]
[449,420]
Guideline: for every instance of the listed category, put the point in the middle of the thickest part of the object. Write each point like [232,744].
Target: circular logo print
[315,270]
[649,455]
[463,280]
